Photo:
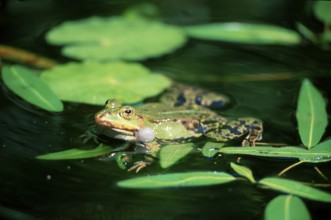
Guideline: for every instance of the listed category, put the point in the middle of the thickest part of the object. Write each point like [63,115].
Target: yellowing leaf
[286,208]
[24,83]
[177,180]
[311,114]
[94,82]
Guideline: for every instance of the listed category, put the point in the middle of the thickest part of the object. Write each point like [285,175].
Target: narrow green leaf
[243,171]
[306,32]
[177,180]
[244,33]
[94,83]
[76,153]
[211,148]
[170,154]
[286,208]
[296,188]
[322,11]
[312,156]
[311,114]
[24,83]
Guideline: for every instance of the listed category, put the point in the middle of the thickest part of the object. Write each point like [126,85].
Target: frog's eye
[127,112]
[198,100]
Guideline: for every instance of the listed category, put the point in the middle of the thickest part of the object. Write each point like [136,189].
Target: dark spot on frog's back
[180,100]
[232,130]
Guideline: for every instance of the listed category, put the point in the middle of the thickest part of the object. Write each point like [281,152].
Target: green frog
[154,124]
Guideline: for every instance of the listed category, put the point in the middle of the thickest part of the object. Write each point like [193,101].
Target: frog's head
[120,121]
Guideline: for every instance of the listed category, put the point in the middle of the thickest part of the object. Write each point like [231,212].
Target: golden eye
[127,112]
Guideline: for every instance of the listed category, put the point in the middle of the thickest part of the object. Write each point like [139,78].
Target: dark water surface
[262,81]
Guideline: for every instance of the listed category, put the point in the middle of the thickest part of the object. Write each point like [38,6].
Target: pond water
[262,81]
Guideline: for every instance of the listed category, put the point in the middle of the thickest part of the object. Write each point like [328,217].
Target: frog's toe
[251,139]
[139,165]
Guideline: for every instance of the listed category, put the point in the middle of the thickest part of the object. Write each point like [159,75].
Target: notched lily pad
[177,180]
[26,84]
[94,83]
[244,33]
[116,38]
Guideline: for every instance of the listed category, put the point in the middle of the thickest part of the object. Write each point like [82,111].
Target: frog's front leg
[232,129]
[152,150]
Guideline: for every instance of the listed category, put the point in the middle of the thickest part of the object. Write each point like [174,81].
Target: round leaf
[286,208]
[24,83]
[296,188]
[116,38]
[177,180]
[94,83]
[311,114]
[244,33]
[322,10]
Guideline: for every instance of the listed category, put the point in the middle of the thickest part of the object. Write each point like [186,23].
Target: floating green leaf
[322,11]
[171,153]
[311,114]
[306,32]
[94,83]
[312,156]
[286,208]
[116,38]
[244,33]
[243,171]
[177,180]
[76,153]
[296,188]
[211,148]
[24,83]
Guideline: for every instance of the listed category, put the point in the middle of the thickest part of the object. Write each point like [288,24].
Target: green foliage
[24,83]
[94,83]
[296,188]
[177,180]
[311,114]
[116,38]
[322,10]
[77,153]
[171,153]
[211,148]
[314,156]
[243,171]
[244,33]
[286,208]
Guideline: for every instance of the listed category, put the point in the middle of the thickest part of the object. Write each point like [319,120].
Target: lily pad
[94,83]
[311,114]
[244,33]
[286,208]
[116,38]
[170,154]
[77,153]
[26,84]
[296,188]
[177,180]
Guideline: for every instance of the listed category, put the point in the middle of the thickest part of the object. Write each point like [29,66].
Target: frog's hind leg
[251,127]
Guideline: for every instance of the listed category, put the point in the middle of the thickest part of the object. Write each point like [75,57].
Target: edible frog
[153,124]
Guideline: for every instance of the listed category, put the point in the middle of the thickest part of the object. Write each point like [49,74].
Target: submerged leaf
[244,33]
[116,38]
[170,154]
[243,171]
[312,156]
[94,83]
[77,153]
[322,11]
[177,180]
[286,208]
[311,114]
[296,188]
[24,83]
